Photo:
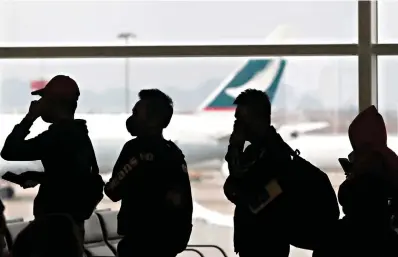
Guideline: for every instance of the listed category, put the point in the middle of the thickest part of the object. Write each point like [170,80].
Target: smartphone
[345,164]
[12,177]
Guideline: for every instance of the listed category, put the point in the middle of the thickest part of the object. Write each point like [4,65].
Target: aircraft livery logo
[260,74]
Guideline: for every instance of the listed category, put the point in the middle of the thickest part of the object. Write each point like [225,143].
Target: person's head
[253,111]
[58,99]
[52,235]
[151,114]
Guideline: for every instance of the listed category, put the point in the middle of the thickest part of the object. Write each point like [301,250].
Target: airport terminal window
[387,31]
[387,92]
[321,91]
[163,22]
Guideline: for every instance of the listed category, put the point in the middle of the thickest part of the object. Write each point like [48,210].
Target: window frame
[367,50]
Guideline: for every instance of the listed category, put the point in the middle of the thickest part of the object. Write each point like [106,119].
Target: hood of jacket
[368,137]
[368,130]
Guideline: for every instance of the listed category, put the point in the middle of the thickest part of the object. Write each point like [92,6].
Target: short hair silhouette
[160,105]
[256,99]
[52,235]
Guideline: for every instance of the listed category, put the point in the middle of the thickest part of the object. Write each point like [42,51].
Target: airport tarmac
[208,193]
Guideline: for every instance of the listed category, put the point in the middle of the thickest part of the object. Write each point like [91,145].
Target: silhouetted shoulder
[132,144]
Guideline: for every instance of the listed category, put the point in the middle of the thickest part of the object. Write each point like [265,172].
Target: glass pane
[181,22]
[313,100]
[387,99]
[388,32]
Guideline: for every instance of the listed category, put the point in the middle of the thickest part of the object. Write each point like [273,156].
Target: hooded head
[368,137]
[368,130]
[375,166]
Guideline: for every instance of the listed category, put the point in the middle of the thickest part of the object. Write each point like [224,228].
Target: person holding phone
[253,184]
[65,150]
[366,194]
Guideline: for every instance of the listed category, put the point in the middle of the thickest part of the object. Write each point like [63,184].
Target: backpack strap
[293,153]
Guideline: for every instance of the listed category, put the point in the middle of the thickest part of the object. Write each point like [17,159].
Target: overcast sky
[99,22]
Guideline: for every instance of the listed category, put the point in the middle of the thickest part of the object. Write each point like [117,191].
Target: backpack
[177,172]
[93,191]
[311,201]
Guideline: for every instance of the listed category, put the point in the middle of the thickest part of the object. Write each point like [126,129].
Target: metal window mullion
[385,49]
[367,59]
[178,51]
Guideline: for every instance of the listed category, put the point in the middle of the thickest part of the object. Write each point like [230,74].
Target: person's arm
[16,148]
[130,162]
[239,162]
[230,190]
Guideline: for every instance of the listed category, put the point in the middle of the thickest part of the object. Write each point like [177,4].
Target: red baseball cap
[60,87]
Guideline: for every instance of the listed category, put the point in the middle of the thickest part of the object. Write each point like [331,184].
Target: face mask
[131,126]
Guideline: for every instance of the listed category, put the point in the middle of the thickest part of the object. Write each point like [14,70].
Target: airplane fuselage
[324,150]
[192,133]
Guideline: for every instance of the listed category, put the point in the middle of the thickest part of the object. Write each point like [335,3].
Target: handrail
[16,220]
[210,246]
[196,251]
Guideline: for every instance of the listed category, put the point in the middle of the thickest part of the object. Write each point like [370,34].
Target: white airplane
[324,150]
[201,135]
[194,132]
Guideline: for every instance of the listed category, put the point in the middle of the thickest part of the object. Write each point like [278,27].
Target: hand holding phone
[35,109]
[346,165]
[12,177]
[238,135]
[26,180]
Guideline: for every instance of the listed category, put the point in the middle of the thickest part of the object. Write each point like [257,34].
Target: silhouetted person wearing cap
[65,150]
[150,178]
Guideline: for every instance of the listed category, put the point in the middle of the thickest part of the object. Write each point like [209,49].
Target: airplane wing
[289,131]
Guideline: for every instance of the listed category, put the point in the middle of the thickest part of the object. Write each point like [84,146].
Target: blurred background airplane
[324,150]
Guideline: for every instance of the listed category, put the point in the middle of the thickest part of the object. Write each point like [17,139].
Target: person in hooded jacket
[150,178]
[64,149]
[372,180]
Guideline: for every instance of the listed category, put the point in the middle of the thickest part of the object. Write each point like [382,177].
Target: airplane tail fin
[260,74]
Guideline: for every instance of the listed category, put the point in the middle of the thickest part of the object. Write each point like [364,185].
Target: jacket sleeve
[230,190]
[17,148]
[183,185]
[128,162]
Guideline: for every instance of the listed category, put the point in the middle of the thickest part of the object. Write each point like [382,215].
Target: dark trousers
[128,247]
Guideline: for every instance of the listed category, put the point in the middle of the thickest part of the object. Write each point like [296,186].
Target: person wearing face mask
[151,180]
[247,170]
[272,187]
[65,150]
